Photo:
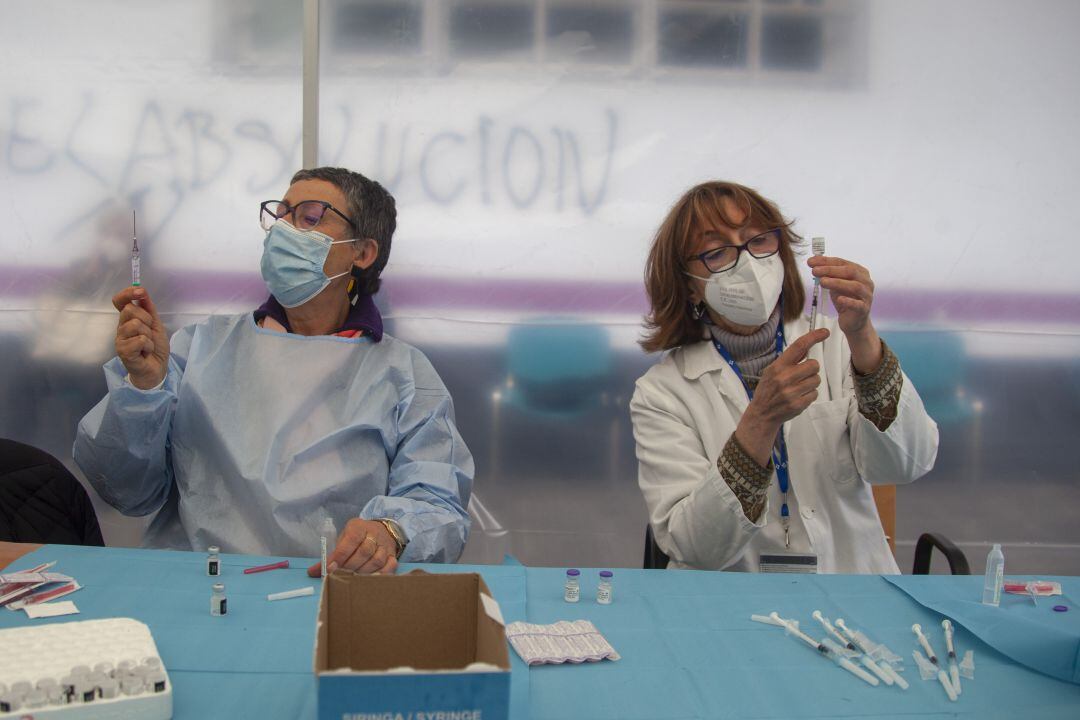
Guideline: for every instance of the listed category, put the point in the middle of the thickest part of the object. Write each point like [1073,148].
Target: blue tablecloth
[689,649]
[1028,631]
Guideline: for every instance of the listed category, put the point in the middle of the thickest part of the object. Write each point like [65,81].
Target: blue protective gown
[256,436]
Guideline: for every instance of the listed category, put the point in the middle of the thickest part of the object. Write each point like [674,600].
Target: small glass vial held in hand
[213,562]
[218,603]
[572,590]
[603,590]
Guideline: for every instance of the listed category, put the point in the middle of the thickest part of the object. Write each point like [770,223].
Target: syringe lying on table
[943,678]
[865,645]
[886,676]
[825,647]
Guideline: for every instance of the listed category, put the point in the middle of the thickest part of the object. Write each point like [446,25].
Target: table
[688,647]
[10,552]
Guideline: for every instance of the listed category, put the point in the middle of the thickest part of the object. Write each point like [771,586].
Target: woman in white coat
[757,438]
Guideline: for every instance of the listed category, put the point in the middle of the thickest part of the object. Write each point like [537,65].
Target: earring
[698,310]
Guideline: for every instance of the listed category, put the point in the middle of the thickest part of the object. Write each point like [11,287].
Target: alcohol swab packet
[560,642]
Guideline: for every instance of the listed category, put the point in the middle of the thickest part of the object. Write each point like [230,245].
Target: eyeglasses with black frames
[726,257]
[306,215]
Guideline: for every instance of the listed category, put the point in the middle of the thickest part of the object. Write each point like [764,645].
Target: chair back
[41,501]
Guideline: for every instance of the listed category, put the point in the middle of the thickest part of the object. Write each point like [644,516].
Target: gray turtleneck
[754,352]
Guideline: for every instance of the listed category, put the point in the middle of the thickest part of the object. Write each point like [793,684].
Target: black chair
[655,559]
[41,501]
[958,564]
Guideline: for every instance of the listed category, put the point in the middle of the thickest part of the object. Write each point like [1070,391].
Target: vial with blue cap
[572,589]
[603,590]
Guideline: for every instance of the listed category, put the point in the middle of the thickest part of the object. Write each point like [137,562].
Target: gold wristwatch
[395,532]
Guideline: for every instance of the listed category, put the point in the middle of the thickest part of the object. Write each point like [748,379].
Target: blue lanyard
[779,454]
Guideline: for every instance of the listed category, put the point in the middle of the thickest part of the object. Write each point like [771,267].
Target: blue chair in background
[560,384]
[937,365]
[559,370]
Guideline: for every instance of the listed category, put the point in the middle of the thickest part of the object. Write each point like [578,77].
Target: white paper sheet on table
[53,609]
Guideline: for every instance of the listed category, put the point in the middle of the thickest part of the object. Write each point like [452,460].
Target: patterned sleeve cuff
[878,393]
[748,480]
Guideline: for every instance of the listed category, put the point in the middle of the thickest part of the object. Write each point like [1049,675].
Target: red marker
[263,568]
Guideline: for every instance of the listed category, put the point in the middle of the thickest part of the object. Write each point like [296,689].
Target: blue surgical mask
[292,263]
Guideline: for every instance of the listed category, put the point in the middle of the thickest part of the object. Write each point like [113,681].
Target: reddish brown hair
[669,323]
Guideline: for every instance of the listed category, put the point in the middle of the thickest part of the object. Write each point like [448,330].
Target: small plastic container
[132,685]
[213,561]
[36,699]
[604,589]
[85,691]
[572,589]
[45,683]
[109,688]
[327,542]
[67,687]
[995,576]
[155,681]
[218,605]
[56,695]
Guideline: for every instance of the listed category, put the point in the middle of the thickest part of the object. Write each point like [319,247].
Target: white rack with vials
[89,670]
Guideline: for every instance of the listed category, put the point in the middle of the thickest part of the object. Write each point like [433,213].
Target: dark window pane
[487,29]
[791,42]
[701,38]
[378,27]
[600,33]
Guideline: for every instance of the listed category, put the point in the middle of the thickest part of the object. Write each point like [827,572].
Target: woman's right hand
[787,387]
[141,341]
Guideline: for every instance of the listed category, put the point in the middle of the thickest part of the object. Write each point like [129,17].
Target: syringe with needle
[817,246]
[135,270]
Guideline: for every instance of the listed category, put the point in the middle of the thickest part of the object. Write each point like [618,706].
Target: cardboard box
[399,647]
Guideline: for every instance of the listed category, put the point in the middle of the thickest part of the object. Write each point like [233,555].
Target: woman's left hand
[852,293]
[851,289]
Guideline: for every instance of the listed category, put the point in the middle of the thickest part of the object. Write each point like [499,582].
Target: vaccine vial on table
[572,590]
[36,699]
[603,590]
[995,576]
[109,688]
[213,562]
[131,685]
[218,603]
[10,702]
[155,681]
[85,691]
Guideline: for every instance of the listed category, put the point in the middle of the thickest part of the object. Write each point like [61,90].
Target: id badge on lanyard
[779,450]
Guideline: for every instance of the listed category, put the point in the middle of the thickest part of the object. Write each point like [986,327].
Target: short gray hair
[372,210]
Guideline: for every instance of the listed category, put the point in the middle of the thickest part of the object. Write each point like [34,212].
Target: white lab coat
[685,409]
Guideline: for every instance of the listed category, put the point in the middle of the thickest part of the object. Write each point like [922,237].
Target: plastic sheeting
[533,147]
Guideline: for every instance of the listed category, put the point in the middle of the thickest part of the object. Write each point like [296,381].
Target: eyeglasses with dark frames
[306,215]
[726,257]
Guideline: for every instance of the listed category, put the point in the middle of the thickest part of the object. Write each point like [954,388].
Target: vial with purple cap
[572,589]
[603,590]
